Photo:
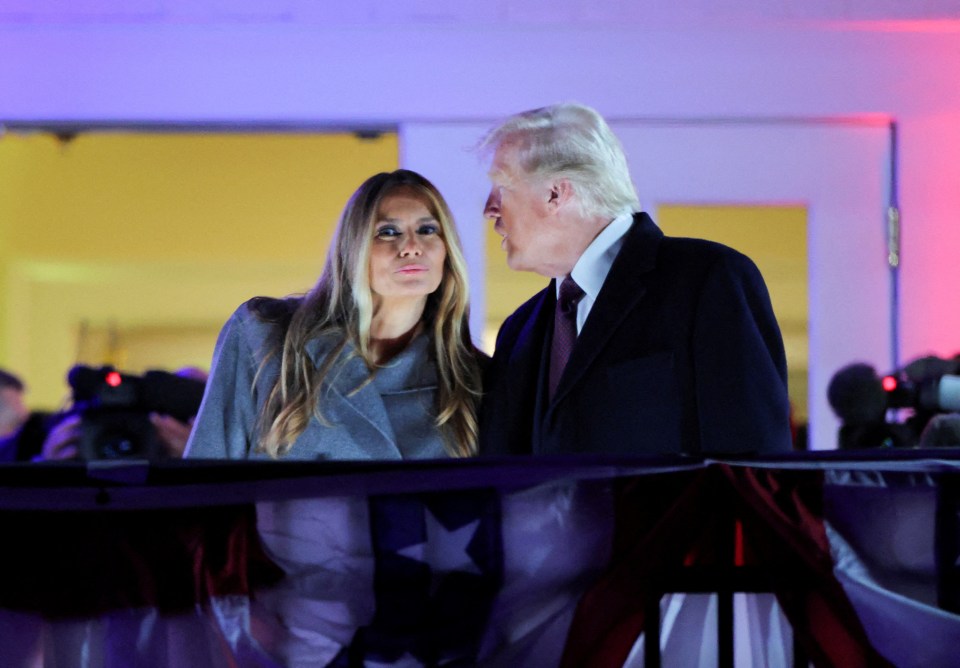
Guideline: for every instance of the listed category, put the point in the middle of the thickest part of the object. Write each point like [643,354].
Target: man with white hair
[672,344]
[13,411]
[13,414]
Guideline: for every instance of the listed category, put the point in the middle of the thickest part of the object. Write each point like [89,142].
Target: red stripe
[723,517]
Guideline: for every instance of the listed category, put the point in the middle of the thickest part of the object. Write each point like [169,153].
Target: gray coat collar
[349,393]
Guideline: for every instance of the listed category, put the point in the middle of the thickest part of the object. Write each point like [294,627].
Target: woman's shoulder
[270,309]
[259,320]
[264,313]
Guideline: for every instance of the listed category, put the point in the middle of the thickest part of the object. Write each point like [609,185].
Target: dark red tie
[564,330]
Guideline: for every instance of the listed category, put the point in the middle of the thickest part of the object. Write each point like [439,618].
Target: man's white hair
[573,142]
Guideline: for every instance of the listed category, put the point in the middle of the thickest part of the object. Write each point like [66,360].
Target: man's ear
[561,192]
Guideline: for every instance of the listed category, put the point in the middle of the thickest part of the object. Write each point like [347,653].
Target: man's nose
[492,208]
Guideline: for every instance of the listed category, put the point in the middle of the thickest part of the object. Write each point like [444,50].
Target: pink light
[899,25]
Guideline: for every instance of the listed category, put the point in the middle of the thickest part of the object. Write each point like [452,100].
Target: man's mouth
[498,228]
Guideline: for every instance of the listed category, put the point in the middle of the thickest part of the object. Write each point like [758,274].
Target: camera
[892,410]
[115,409]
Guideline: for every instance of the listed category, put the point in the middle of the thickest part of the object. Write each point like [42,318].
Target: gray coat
[390,417]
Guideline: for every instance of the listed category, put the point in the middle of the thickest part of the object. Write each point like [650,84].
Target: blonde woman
[375,362]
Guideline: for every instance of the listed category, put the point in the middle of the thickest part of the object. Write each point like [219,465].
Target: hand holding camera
[122,416]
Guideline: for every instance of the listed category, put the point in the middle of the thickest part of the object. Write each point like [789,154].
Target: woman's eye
[387,232]
[428,229]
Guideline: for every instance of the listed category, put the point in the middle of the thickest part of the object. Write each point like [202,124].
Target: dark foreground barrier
[851,560]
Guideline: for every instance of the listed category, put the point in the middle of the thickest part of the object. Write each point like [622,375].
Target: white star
[444,551]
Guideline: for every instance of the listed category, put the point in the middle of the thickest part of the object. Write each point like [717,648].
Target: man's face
[521,212]
[13,411]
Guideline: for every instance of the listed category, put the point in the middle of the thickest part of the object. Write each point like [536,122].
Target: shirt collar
[594,264]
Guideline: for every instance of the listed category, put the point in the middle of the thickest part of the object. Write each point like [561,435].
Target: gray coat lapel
[349,398]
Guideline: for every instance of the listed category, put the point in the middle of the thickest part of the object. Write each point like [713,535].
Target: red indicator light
[889,383]
[113,379]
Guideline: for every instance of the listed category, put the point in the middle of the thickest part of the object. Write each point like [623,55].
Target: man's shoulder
[703,253]
[528,307]
[526,310]
[703,247]
[517,321]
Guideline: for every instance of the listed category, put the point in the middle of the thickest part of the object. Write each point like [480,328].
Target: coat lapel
[348,395]
[526,356]
[622,290]
[520,400]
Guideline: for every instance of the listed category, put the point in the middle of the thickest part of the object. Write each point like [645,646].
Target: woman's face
[408,250]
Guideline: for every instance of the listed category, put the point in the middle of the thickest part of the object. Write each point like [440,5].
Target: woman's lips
[411,269]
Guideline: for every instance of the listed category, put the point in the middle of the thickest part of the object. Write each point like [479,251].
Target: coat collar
[623,288]
[349,389]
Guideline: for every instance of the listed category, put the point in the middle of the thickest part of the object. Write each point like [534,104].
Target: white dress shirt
[592,268]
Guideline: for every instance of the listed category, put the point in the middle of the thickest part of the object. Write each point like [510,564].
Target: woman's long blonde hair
[341,305]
